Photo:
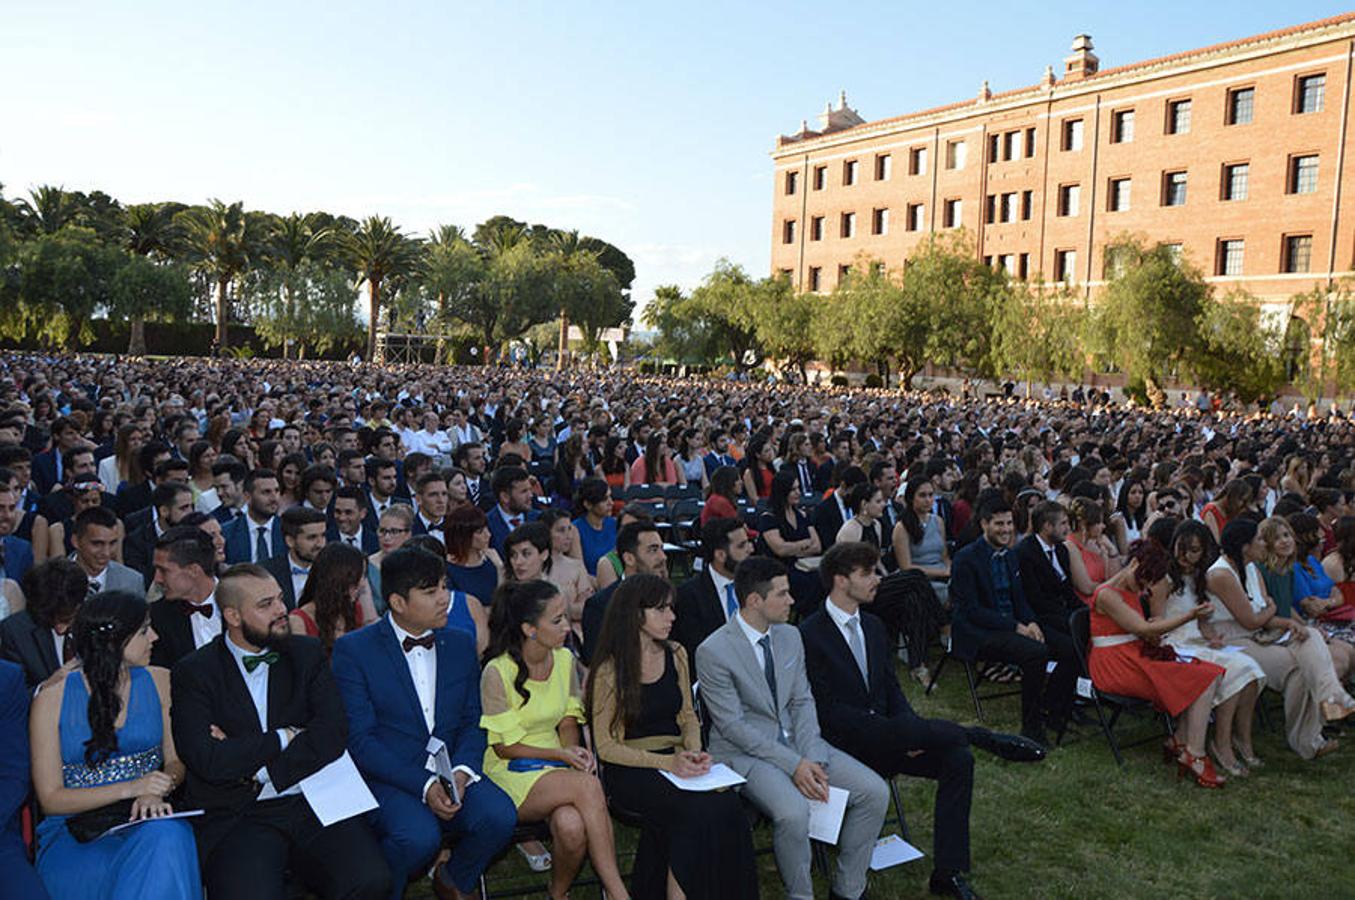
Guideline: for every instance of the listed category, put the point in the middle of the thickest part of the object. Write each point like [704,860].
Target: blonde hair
[1270,531]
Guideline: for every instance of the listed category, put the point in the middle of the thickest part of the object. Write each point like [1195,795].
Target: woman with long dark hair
[123,465]
[289,481]
[756,468]
[656,465]
[615,469]
[919,538]
[101,745]
[595,525]
[533,713]
[790,537]
[640,704]
[722,495]
[866,502]
[337,598]
[201,457]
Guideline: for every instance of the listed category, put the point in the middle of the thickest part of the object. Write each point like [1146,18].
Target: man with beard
[303,531]
[254,712]
[256,535]
[187,618]
[170,502]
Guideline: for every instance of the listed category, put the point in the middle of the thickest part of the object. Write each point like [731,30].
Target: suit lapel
[280,680]
[844,650]
[237,694]
[45,647]
[743,652]
[395,658]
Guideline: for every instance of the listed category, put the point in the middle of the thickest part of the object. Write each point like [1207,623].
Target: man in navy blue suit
[20,880]
[411,685]
[257,535]
[16,554]
[348,520]
[993,621]
[513,490]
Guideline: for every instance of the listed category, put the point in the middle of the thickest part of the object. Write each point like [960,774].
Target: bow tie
[252,661]
[297,570]
[205,608]
[426,642]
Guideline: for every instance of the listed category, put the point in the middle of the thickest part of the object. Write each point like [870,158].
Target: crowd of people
[219,578]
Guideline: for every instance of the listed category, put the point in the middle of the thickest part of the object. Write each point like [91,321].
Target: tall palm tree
[379,250]
[224,241]
[566,244]
[153,231]
[296,241]
[48,209]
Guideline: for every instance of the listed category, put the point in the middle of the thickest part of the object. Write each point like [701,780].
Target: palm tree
[153,231]
[566,244]
[297,241]
[48,209]
[380,250]
[224,241]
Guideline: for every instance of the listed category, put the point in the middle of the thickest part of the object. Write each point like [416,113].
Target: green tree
[224,241]
[1038,333]
[681,334]
[153,232]
[1329,313]
[784,322]
[143,290]
[724,302]
[380,251]
[47,210]
[452,272]
[63,278]
[310,305]
[1242,349]
[1146,320]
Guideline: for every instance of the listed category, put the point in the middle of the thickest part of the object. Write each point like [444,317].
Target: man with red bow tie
[187,618]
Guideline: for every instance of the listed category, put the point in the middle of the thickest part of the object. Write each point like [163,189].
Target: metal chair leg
[971,677]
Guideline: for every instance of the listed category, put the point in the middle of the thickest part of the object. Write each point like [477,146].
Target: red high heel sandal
[1171,749]
[1201,768]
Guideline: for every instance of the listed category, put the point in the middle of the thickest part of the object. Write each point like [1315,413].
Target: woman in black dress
[788,535]
[695,843]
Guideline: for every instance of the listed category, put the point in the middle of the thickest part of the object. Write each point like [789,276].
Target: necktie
[1053,561]
[731,602]
[252,661]
[426,642]
[769,666]
[857,646]
[806,485]
[351,540]
[67,648]
[260,545]
[94,587]
[205,608]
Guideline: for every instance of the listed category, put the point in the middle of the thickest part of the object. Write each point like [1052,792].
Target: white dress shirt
[841,618]
[256,683]
[300,574]
[753,636]
[253,531]
[206,628]
[352,540]
[1053,557]
[721,589]
[423,671]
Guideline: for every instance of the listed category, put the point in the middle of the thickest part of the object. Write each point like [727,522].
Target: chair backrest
[1080,627]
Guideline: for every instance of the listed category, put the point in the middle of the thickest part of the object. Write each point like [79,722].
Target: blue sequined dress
[152,860]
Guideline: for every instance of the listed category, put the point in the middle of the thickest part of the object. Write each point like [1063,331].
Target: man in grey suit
[764,726]
[94,538]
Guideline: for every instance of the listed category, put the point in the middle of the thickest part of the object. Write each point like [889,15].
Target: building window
[1298,253]
[1178,117]
[879,221]
[792,182]
[1027,205]
[988,262]
[787,274]
[1072,134]
[1241,102]
[788,231]
[820,177]
[1309,91]
[1023,266]
[990,213]
[1174,189]
[994,147]
[1122,126]
[1117,262]
[815,278]
[849,169]
[1030,142]
[917,161]
[816,228]
[951,215]
[1007,262]
[848,226]
[1235,181]
[955,154]
[1010,147]
[1229,260]
[1117,198]
[1065,265]
[1009,207]
[843,273]
[884,164]
[1303,174]
[917,214]
[1070,197]
[1175,251]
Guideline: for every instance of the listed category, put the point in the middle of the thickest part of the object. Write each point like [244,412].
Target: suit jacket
[971,595]
[852,711]
[1051,598]
[174,632]
[18,556]
[827,520]
[823,474]
[369,539]
[594,611]
[419,528]
[208,690]
[745,724]
[498,528]
[138,551]
[28,644]
[44,470]
[118,577]
[700,610]
[387,734]
[133,497]
[280,567]
[225,514]
[239,539]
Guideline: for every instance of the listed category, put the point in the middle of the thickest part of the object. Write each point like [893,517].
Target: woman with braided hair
[102,747]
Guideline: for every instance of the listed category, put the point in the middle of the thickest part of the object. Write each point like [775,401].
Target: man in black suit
[431,493]
[1043,560]
[640,548]
[81,475]
[170,502]
[254,712]
[228,480]
[348,520]
[303,531]
[38,637]
[707,600]
[862,709]
[832,511]
[187,617]
[470,458]
[885,476]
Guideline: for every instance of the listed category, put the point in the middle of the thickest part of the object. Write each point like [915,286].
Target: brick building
[1235,153]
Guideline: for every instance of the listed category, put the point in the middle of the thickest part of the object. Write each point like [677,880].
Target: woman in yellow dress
[532,711]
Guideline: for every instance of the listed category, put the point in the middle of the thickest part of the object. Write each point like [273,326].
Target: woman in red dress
[337,598]
[1126,659]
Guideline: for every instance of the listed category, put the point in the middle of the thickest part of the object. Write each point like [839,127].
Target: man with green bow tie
[256,711]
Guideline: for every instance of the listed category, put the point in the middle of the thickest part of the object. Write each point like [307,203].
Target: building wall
[1270,65]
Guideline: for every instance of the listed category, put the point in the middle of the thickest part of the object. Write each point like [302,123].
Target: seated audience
[188,616]
[473,567]
[1279,550]
[303,535]
[640,549]
[1092,555]
[39,637]
[336,599]
[706,600]
[790,538]
[919,538]
[594,522]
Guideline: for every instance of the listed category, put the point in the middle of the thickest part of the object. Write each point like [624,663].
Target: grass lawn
[1077,826]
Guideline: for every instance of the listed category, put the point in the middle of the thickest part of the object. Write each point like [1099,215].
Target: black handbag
[87,826]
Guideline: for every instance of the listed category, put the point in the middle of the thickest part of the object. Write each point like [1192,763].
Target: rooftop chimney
[1083,63]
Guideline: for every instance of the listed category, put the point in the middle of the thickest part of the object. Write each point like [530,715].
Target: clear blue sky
[644,124]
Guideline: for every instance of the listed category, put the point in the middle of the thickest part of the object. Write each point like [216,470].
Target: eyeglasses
[392,532]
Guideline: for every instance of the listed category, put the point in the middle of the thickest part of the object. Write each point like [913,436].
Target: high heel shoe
[1201,768]
[1171,749]
[1236,769]
[1335,712]
[1251,759]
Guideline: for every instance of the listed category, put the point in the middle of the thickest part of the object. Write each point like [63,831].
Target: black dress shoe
[1011,747]
[951,884]
[1039,737]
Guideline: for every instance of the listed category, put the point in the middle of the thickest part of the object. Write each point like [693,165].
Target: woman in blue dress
[472,565]
[597,528]
[100,736]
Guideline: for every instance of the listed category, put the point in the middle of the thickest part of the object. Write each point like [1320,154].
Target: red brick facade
[1237,153]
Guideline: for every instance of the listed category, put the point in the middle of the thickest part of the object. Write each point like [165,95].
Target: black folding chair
[1079,625]
[972,677]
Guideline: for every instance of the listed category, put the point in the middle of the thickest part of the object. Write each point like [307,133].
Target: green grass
[1076,825]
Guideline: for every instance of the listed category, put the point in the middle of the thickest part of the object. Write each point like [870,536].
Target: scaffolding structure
[404,349]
